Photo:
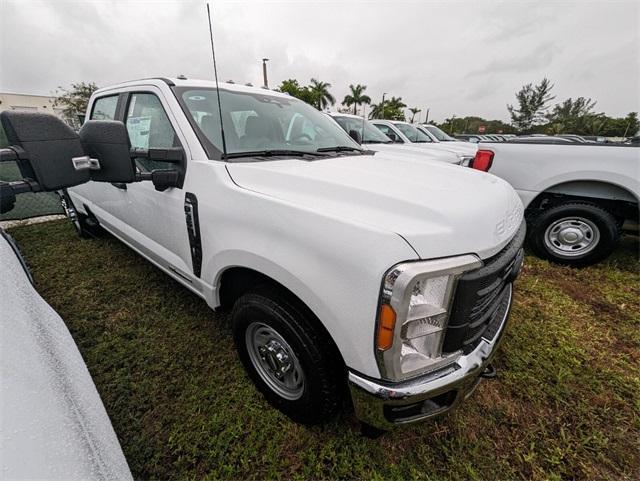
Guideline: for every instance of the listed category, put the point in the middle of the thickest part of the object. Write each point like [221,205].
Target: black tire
[599,224]
[85,226]
[322,392]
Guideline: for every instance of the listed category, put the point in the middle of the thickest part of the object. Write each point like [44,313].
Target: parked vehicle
[596,138]
[574,138]
[342,267]
[53,423]
[438,133]
[406,133]
[363,132]
[540,139]
[472,138]
[577,196]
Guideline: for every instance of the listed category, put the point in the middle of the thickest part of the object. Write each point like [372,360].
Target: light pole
[382,104]
[426,121]
[264,72]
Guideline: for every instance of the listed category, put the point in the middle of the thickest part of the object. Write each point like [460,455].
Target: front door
[156,219]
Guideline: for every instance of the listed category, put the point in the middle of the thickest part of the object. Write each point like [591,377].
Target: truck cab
[350,275]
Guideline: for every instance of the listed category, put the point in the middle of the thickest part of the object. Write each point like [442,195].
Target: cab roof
[195,83]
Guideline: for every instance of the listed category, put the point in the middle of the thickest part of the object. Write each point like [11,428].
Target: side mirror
[43,146]
[355,135]
[108,141]
[164,178]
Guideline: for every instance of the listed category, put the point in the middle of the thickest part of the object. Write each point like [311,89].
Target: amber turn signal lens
[386,325]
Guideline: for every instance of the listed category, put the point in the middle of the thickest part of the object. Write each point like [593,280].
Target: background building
[29,103]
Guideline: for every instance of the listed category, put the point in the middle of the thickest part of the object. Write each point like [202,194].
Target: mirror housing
[164,178]
[44,146]
[108,141]
[355,135]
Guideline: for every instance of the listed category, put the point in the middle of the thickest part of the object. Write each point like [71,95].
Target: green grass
[566,404]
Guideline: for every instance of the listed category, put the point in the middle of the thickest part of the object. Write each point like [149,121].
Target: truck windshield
[371,134]
[413,134]
[257,124]
[439,134]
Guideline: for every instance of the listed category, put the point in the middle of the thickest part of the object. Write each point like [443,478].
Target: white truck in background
[577,196]
[366,134]
[406,134]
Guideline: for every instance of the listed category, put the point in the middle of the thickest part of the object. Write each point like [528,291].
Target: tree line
[535,114]
[533,111]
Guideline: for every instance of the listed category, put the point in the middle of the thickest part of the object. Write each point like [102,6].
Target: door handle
[119,185]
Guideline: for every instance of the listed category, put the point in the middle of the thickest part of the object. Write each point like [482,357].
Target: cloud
[536,60]
[456,57]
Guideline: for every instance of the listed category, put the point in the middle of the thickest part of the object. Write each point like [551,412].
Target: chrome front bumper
[388,405]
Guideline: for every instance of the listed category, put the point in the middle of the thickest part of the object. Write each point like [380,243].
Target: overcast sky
[454,57]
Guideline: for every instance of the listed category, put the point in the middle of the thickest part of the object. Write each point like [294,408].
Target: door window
[388,131]
[104,108]
[149,128]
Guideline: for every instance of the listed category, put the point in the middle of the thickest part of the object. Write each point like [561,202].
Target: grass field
[566,404]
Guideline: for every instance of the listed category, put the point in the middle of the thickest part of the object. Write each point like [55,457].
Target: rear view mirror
[394,137]
[44,146]
[51,156]
[355,135]
[108,141]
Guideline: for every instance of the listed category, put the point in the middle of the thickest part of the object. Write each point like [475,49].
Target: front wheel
[575,234]
[287,356]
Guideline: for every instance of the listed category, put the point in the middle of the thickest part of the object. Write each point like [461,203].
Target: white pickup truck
[364,132]
[347,271]
[577,196]
[404,133]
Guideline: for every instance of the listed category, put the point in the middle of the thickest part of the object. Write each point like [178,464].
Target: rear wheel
[576,234]
[287,356]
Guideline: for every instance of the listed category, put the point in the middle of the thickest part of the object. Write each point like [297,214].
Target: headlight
[415,304]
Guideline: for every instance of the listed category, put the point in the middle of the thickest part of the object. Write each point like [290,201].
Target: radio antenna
[364,109]
[215,74]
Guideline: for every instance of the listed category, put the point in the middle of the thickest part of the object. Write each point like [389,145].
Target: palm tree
[389,109]
[378,110]
[393,110]
[321,94]
[414,111]
[356,97]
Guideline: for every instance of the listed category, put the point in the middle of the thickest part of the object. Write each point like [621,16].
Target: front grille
[481,298]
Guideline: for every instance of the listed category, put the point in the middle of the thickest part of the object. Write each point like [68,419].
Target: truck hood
[439,209]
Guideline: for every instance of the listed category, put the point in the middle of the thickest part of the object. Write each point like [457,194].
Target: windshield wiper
[377,141]
[272,153]
[339,148]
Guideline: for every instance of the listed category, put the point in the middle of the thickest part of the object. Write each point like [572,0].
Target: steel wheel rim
[571,236]
[275,361]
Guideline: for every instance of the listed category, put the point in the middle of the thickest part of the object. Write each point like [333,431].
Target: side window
[104,108]
[149,127]
[385,129]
